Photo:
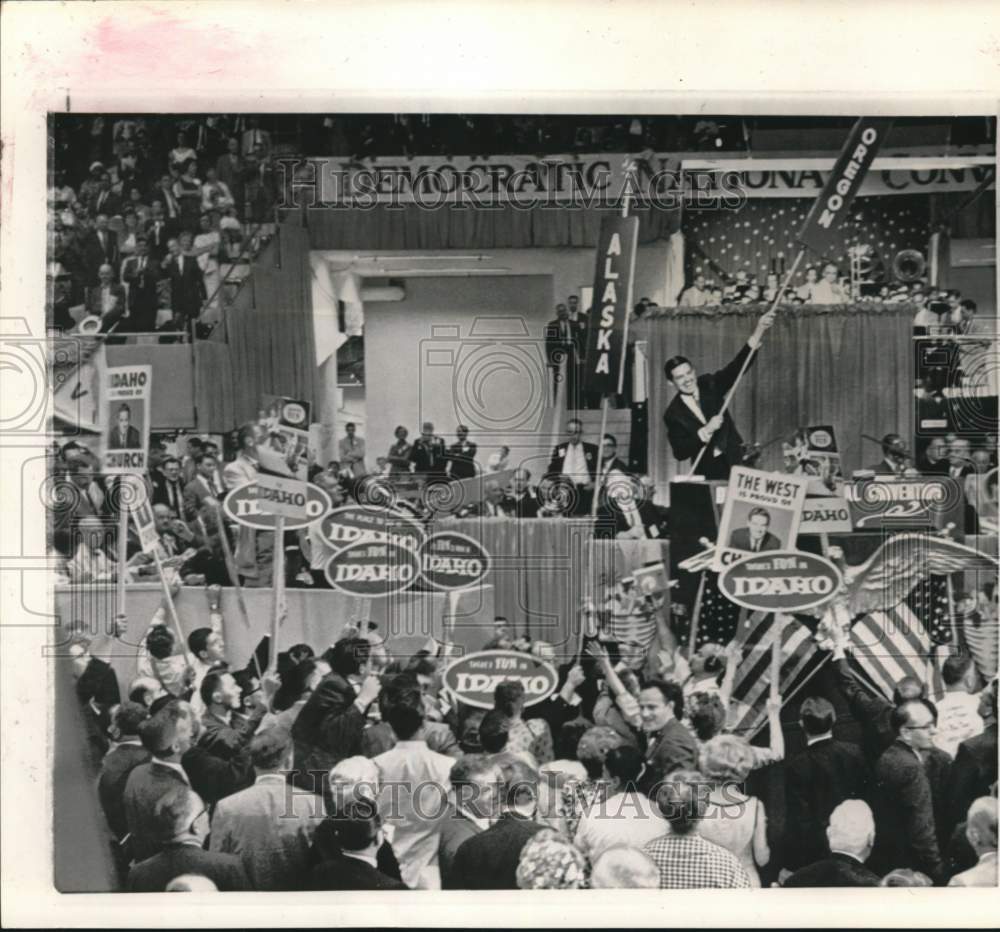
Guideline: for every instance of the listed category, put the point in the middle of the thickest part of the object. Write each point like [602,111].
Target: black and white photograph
[527,358]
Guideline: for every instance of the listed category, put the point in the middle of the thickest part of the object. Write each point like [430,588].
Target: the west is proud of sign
[127,400]
[281,483]
[609,312]
[780,581]
[472,679]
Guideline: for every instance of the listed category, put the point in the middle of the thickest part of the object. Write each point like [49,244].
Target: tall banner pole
[234,576]
[278,588]
[121,615]
[171,608]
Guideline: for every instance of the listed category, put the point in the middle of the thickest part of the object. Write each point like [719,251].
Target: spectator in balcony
[206,248]
[215,194]
[399,453]
[260,186]
[126,242]
[165,194]
[106,201]
[805,290]
[107,299]
[230,170]
[136,203]
[167,487]
[696,295]
[254,138]
[159,230]
[90,185]
[140,274]
[187,284]
[100,247]
[187,190]
[182,153]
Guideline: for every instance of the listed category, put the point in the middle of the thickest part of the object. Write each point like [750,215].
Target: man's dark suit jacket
[328,729]
[152,875]
[132,439]
[673,749]
[213,778]
[428,458]
[160,496]
[456,829]
[835,870]
[525,507]
[488,861]
[873,712]
[95,306]
[817,780]
[377,739]
[555,344]
[187,287]
[463,463]
[611,520]
[115,770]
[740,539]
[100,683]
[146,784]
[972,773]
[559,456]
[95,255]
[157,239]
[904,814]
[143,298]
[683,426]
[346,873]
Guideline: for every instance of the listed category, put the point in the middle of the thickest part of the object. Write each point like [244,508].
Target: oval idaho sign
[780,581]
[372,569]
[242,506]
[473,678]
[354,524]
[449,560]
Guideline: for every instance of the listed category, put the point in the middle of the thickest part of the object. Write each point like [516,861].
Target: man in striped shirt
[685,859]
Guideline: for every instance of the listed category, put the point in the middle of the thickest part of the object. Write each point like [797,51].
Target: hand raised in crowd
[369,691]
[270,684]
[575,676]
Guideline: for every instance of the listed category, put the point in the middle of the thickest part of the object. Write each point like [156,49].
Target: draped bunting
[848,366]
[412,227]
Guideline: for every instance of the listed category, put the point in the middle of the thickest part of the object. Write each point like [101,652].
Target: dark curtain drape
[213,382]
[413,227]
[849,366]
[270,329]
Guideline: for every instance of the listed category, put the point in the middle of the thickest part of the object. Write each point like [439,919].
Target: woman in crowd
[733,820]
[533,735]
[550,862]
[187,190]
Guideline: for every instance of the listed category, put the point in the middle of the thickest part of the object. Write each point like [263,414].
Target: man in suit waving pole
[693,417]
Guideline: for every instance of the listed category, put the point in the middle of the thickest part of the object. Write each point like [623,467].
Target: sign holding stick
[776,663]
[234,576]
[278,586]
[171,608]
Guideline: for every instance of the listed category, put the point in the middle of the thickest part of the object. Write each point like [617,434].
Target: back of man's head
[622,867]
[191,883]
[174,813]
[158,733]
[493,732]
[127,718]
[852,829]
[909,687]
[356,824]
[981,827]
[955,668]
[817,716]
[520,784]
[681,801]
[405,712]
[270,749]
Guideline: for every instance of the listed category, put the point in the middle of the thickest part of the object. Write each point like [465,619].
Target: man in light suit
[204,487]
[254,549]
[981,830]
[107,300]
[476,780]
[692,418]
[756,536]
[352,452]
[123,435]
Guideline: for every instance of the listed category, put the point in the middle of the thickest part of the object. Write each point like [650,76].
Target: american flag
[718,617]
[886,646]
[799,656]
[890,574]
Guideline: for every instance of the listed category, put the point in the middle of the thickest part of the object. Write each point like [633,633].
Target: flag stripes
[752,683]
[888,646]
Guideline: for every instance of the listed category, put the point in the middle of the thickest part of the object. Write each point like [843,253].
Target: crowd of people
[357,769]
[147,215]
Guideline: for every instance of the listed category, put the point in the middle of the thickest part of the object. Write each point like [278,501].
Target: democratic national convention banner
[611,304]
[599,179]
[762,512]
[126,405]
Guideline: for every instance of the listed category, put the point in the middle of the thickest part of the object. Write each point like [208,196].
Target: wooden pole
[121,615]
[171,608]
[776,664]
[278,588]
[747,361]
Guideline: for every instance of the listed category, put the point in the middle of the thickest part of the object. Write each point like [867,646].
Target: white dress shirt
[575,464]
[958,719]
[413,799]
[623,819]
